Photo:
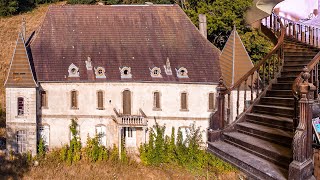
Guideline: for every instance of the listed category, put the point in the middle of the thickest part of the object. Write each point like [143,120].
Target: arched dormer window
[100,72]
[125,72]
[182,72]
[155,72]
[73,71]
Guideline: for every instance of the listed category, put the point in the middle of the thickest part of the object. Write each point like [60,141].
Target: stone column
[218,122]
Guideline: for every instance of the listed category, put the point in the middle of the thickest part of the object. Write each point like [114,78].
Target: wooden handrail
[263,61]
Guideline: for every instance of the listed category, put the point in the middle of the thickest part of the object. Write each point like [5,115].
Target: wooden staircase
[260,145]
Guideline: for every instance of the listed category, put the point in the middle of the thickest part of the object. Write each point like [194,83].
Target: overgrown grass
[187,153]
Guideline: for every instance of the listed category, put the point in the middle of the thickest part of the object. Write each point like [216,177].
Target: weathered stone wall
[59,112]
[27,121]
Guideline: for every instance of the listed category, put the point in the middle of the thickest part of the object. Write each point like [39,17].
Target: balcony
[130,120]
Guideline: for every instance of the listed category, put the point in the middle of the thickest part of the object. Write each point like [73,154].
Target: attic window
[73,71]
[125,72]
[155,72]
[182,72]
[100,72]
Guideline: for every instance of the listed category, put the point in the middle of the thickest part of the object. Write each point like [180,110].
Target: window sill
[156,109]
[20,116]
[44,107]
[100,108]
[74,108]
[184,110]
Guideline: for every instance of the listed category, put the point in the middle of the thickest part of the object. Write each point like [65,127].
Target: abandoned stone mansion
[116,69]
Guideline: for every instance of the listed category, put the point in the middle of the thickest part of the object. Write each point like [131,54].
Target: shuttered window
[156,100]
[20,106]
[126,102]
[100,100]
[74,99]
[184,101]
[211,101]
[44,99]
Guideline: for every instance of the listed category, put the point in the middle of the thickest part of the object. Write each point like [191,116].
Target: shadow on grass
[14,168]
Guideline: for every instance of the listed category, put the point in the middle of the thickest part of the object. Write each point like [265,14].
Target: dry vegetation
[9,28]
[52,168]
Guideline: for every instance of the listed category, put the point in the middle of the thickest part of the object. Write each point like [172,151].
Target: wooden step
[278,101]
[300,54]
[279,93]
[274,110]
[288,79]
[279,122]
[267,133]
[254,166]
[272,152]
[282,86]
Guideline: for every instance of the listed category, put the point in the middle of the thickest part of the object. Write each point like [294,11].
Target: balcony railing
[130,120]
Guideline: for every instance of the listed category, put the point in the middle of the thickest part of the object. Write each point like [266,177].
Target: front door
[130,137]
[126,102]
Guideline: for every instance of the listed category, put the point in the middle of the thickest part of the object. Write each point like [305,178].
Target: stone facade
[21,124]
[58,113]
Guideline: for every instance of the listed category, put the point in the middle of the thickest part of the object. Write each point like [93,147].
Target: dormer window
[125,72]
[155,72]
[73,71]
[100,72]
[182,72]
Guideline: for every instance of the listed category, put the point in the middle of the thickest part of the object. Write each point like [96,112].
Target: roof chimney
[203,25]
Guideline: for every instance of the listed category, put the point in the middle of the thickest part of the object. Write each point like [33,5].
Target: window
[182,72]
[100,72]
[21,140]
[155,72]
[20,106]
[184,101]
[73,71]
[44,99]
[129,132]
[125,72]
[74,99]
[101,132]
[126,102]
[156,101]
[211,101]
[44,133]
[100,100]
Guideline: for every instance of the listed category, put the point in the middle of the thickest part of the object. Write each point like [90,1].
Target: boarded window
[20,106]
[156,100]
[74,99]
[44,99]
[100,99]
[21,140]
[211,101]
[126,102]
[184,101]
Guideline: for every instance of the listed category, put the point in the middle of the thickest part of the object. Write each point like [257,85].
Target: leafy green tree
[82,1]
[8,7]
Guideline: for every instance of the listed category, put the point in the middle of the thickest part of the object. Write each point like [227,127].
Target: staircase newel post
[221,90]
[301,167]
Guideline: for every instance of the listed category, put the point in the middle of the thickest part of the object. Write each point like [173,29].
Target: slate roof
[137,36]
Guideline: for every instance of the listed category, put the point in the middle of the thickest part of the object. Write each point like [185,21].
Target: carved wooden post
[221,90]
[301,167]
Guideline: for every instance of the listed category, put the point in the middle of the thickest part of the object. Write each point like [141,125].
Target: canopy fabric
[260,10]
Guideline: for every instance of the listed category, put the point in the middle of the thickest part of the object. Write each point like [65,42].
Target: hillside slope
[9,29]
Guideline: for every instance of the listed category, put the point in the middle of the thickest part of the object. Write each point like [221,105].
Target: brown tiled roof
[20,73]
[140,37]
[234,60]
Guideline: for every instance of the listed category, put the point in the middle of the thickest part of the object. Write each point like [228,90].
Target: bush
[41,148]
[8,7]
[187,153]
[95,151]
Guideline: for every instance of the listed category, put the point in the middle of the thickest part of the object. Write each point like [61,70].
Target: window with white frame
[44,133]
[101,132]
[21,140]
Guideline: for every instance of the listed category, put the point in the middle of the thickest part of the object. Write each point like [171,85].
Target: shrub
[41,148]
[95,151]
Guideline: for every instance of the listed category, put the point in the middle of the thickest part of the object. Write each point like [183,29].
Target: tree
[8,7]
[82,1]
[222,16]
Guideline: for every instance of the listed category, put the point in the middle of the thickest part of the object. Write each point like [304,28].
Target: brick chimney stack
[203,25]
